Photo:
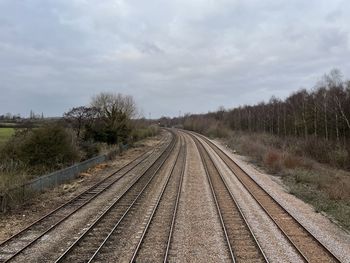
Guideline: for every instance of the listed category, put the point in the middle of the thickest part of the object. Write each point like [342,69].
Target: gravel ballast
[273,243]
[198,236]
[332,236]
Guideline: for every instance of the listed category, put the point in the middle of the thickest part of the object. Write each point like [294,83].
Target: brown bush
[272,160]
[339,189]
[293,162]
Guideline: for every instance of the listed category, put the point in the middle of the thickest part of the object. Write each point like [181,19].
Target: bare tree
[78,117]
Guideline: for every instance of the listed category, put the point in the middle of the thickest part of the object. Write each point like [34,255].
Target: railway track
[154,245]
[95,243]
[304,242]
[16,244]
[241,241]
[138,224]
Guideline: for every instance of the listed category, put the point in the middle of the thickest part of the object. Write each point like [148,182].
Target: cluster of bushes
[80,135]
[208,126]
[269,150]
[144,132]
[39,150]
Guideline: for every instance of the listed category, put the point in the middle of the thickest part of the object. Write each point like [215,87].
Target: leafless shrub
[272,160]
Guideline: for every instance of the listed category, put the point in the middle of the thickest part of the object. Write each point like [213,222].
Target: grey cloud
[188,55]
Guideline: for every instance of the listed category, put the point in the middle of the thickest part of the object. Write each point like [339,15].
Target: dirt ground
[21,216]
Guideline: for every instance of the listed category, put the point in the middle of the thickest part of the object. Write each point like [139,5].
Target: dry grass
[292,162]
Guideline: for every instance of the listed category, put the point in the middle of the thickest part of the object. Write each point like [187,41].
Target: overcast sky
[178,55]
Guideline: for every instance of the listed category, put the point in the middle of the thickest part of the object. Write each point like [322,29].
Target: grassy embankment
[324,186]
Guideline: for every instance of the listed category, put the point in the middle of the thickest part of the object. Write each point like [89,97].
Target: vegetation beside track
[29,149]
[325,187]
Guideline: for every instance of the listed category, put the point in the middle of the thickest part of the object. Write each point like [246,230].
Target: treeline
[323,112]
[320,117]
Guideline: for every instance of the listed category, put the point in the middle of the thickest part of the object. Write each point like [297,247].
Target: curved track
[16,244]
[156,239]
[98,235]
[241,241]
[306,244]
[138,225]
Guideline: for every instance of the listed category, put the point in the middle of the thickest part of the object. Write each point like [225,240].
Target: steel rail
[127,211]
[164,154]
[202,150]
[297,248]
[92,194]
[156,206]
[217,207]
[171,231]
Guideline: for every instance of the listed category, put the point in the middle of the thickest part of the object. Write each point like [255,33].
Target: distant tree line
[17,117]
[318,118]
[323,112]
[10,117]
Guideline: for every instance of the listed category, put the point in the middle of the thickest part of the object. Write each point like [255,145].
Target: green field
[5,134]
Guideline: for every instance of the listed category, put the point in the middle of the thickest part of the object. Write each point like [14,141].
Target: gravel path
[198,236]
[332,236]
